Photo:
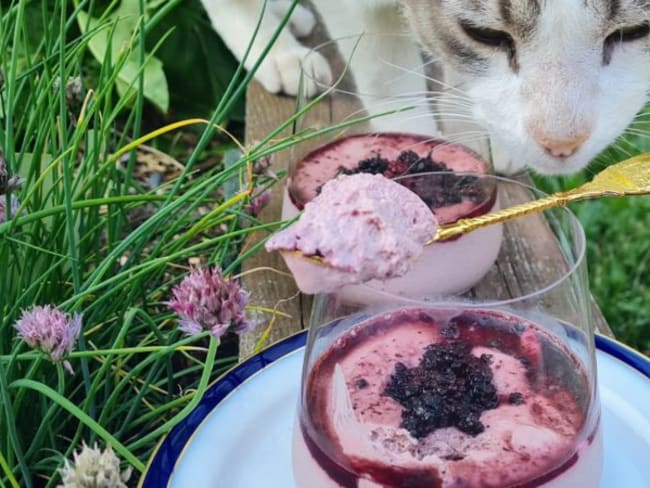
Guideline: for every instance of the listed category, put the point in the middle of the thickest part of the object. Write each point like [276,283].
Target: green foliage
[197,64]
[94,238]
[114,40]
[187,67]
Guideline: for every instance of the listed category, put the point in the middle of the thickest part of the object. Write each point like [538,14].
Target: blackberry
[446,189]
[451,330]
[409,158]
[417,164]
[342,170]
[375,165]
[471,189]
[516,399]
[361,383]
[450,387]
[396,168]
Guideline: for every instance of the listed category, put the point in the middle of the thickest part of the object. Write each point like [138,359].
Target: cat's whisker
[465,136]
[451,103]
[445,98]
[452,141]
[472,142]
[457,105]
[428,78]
[442,116]
[636,131]
[642,135]
[405,116]
[450,96]
[424,64]
[385,106]
[456,140]
[455,134]
[422,98]
[617,145]
[431,60]
[445,115]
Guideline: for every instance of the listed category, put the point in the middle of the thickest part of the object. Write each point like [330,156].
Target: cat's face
[554,81]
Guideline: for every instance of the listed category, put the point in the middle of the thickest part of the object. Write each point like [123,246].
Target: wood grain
[266,276]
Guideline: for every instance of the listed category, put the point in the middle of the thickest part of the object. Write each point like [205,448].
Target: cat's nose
[561,148]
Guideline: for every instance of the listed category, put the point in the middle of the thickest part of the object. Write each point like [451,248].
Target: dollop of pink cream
[364,226]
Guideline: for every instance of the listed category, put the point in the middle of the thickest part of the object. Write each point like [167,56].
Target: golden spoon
[628,177]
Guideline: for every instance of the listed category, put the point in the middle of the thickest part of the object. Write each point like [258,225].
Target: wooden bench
[272,286]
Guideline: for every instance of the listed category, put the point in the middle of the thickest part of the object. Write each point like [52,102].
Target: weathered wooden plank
[266,276]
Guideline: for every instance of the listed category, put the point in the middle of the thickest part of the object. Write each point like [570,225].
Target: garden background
[113,198]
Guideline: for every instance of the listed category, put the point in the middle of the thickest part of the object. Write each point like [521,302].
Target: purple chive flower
[7,184]
[256,204]
[205,300]
[15,205]
[51,331]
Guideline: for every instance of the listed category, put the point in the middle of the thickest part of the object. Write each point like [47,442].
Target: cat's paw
[503,162]
[301,22]
[282,69]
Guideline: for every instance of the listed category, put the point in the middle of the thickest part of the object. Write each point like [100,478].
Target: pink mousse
[363,226]
[525,443]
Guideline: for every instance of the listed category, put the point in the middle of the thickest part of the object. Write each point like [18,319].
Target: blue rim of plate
[164,457]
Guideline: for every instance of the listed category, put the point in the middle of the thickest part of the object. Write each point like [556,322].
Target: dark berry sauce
[447,387]
[398,156]
[450,387]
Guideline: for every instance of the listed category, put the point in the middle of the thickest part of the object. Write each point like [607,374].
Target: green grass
[74,242]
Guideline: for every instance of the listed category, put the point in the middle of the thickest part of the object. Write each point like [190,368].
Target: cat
[552,82]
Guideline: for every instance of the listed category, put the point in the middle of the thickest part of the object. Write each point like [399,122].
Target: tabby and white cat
[553,82]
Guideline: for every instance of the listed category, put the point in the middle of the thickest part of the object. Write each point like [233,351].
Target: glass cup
[458,263]
[496,387]
[404,129]
[373,89]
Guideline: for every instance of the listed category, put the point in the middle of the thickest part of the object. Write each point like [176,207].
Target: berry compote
[450,178]
[429,398]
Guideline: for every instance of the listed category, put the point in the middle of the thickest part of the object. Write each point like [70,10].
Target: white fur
[235,21]
[562,89]
[384,59]
[561,93]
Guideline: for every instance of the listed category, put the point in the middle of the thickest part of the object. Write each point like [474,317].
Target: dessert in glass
[496,388]
[447,177]
[399,145]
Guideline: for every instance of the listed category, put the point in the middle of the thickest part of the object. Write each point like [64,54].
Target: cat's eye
[488,37]
[629,34]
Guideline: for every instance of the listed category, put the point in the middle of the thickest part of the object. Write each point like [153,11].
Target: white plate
[240,434]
